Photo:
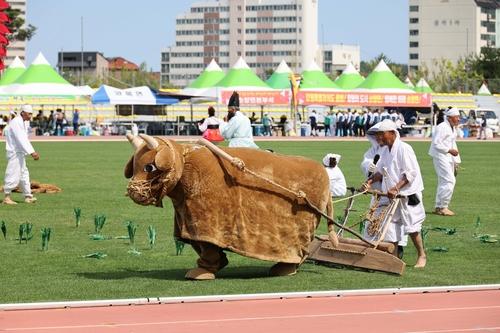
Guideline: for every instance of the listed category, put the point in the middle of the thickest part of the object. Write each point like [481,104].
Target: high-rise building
[16,47]
[450,29]
[263,32]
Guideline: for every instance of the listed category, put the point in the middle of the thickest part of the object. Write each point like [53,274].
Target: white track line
[243,319]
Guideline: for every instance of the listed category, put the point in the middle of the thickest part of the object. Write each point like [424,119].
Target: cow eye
[150,167]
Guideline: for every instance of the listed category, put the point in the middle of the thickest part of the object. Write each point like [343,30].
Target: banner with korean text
[364,99]
[258,97]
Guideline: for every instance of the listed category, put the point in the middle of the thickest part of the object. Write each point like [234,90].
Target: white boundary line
[243,297]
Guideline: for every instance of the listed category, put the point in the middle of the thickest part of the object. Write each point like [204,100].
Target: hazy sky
[138,30]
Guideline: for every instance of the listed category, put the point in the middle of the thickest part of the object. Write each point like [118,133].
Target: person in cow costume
[220,207]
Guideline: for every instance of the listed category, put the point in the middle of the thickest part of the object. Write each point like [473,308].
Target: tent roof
[281,77]
[423,87]
[383,80]
[350,78]
[408,83]
[484,90]
[242,77]
[40,71]
[209,77]
[13,72]
[313,78]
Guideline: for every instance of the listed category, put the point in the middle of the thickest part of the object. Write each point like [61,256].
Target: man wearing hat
[398,173]
[18,146]
[446,158]
[338,186]
[238,129]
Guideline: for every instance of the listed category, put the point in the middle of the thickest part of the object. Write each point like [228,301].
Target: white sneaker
[30,200]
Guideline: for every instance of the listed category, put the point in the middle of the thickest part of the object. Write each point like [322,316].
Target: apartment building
[337,56]
[450,29]
[263,32]
[16,47]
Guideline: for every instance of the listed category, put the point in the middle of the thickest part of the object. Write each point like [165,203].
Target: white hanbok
[444,139]
[17,146]
[238,131]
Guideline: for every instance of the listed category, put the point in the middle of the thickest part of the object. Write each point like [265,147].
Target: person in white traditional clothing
[446,159]
[338,186]
[17,146]
[210,127]
[238,130]
[399,174]
[368,168]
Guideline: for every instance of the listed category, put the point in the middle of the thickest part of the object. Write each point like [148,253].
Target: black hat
[234,100]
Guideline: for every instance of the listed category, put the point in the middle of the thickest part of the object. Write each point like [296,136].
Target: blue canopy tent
[132,96]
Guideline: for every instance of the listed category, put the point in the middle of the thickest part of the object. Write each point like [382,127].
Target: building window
[413,44]
[413,32]
[413,19]
[413,8]
[413,56]
[414,68]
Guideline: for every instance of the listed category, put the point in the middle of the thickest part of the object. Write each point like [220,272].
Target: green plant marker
[440,249]
[29,229]
[131,228]
[45,238]
[96,255]
[179,246]
[99,221]
[151,236]
[78,214]
[362,227]
[425,231]
[22,231]
[4,230]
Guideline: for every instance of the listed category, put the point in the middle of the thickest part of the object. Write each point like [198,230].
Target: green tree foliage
[487,65]
[18,32]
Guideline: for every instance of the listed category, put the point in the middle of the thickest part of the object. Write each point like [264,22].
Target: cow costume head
[154,169]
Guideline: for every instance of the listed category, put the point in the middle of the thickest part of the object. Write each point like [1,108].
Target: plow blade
[354,253]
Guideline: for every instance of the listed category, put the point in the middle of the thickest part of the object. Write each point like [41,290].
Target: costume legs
[446,181]
[212,258]
[16,174]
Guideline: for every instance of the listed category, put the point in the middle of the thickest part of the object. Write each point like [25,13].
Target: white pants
[17,174]
[445,170]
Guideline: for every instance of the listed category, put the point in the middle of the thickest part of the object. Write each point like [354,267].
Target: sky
[139,30]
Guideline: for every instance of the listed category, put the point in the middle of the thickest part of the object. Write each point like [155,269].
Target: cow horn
[150,141]
[134,141]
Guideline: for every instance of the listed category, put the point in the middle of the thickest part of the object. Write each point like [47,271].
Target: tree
[487,65]
[16,26]
[450,77]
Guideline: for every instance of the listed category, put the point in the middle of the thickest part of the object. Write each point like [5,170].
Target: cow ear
[129,168]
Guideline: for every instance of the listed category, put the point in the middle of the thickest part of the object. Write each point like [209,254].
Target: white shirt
[16,137]
[443,139]
[238,131]
[209,121]
[338,187]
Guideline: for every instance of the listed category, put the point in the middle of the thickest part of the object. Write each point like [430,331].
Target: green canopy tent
[383,80]
[280,79]
[13,72]
[241,77]
[484,91]
[409,84]
[350,78]
[423,87]
[313,79]
[204,83]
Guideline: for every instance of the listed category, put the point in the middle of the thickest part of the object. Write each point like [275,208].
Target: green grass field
[91,176]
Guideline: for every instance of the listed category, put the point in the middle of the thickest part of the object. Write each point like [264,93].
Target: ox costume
[444,139]
[338,186]
[393,164]
[239,131]
[17,146]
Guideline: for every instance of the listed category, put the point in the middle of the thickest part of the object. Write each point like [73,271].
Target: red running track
[462,311]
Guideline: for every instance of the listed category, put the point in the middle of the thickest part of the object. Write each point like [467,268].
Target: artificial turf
[91,176]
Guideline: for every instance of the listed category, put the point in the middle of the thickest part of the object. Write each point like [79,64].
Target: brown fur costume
[220,207]
[37,187]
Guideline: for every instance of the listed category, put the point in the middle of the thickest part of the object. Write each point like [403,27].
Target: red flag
[4,5]
[4,40]
[3,52]
[4,17]
[4,30]
[2,66]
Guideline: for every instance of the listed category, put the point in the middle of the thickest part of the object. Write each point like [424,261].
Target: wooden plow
[359,253]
